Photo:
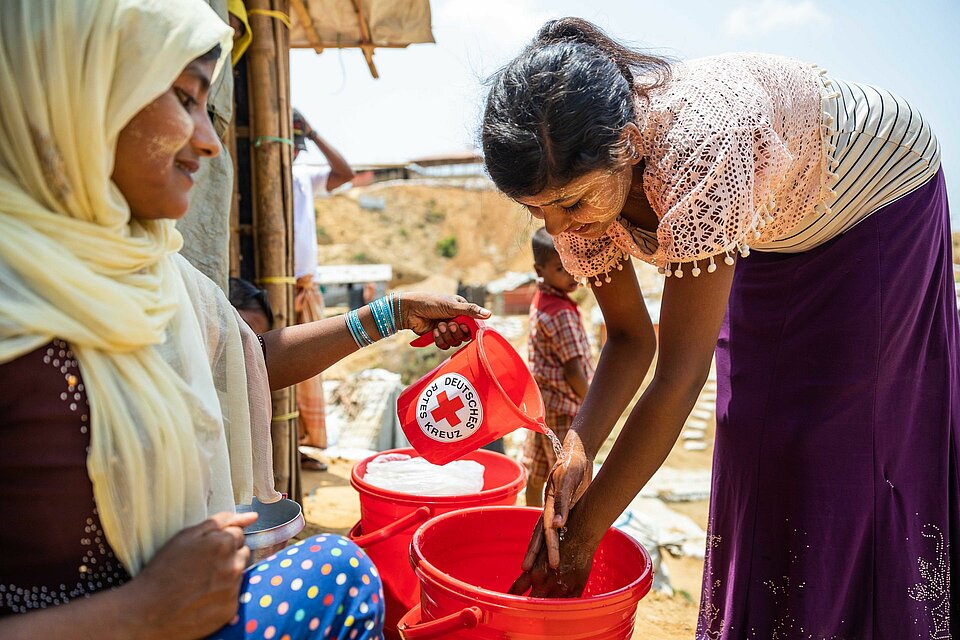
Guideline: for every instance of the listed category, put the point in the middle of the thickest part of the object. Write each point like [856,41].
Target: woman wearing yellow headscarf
[134,409]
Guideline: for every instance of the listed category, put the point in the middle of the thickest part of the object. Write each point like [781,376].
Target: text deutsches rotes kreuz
[449,409]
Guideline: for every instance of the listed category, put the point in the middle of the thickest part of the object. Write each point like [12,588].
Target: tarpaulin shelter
[362,24]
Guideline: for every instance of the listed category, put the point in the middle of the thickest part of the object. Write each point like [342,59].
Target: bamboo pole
[230,142]
[366,41]
[306,20]
[282,35]
[269,115]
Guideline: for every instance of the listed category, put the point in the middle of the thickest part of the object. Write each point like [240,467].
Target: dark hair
[558,110]
[543,247]
[246,296]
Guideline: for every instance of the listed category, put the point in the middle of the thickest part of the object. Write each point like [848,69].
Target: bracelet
[380,318]
[353,333]
[384,316]
[396,300]
[360,330]
[394,323]
[358,327]
[357,331]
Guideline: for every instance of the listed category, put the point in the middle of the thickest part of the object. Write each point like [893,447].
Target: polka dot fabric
[323,587]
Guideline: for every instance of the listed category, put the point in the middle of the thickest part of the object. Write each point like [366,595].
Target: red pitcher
[481,393]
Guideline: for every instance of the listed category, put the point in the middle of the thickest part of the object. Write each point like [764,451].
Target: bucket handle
[414,518]
[427,339]
[466,618]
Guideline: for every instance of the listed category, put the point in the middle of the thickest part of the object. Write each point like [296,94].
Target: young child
[559,357]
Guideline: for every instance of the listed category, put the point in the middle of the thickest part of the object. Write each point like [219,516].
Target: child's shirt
[556,336]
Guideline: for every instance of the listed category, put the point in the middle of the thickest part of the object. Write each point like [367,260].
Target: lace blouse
[739,151]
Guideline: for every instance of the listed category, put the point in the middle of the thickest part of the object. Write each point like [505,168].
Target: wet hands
[560,554]
[569,577]
[431,313]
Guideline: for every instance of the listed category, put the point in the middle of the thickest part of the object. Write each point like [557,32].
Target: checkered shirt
[556,336]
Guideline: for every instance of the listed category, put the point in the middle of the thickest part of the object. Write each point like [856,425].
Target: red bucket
[466,562]
[483,392]
[388,520]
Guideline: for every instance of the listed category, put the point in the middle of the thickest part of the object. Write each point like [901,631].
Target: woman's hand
[568,579]
[559,557]
[191,586]
[430,312]
[570,477]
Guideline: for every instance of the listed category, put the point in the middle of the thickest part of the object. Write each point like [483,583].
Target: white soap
[416,476]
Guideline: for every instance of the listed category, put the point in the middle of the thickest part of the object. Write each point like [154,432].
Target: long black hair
[246,296]
[558,109]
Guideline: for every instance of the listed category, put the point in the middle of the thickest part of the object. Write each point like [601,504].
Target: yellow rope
[277,280]
[279,15]
[286,416]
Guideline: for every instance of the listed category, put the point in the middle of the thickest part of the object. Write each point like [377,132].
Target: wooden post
[269,119]
[230,142]
[282,34]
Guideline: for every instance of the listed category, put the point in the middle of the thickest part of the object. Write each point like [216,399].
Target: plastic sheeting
[392,23]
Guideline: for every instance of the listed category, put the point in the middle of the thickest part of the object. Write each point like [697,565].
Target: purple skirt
[835,511]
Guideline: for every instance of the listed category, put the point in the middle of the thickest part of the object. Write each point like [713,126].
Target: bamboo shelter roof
[363,24]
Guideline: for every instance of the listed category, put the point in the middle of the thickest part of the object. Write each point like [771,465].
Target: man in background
[309,183]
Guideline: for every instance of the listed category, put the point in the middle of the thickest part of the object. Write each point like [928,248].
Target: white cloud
[765,16]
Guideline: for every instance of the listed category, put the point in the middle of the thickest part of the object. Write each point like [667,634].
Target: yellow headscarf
[237,8]
[74,265]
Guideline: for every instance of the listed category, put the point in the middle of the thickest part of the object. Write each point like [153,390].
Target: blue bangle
[378,319]
[388,305]
[363,332]
[399,313]
[353,334]
[383,316]
[353,320]
[394,303]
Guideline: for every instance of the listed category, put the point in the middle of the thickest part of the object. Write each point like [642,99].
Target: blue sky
[429,97]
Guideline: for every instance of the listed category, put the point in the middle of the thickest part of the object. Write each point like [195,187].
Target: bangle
[353,333]
[383,316]
[388,306]
[357,331]
[396,298]
[378,318]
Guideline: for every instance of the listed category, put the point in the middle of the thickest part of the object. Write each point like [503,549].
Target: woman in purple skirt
[802,224]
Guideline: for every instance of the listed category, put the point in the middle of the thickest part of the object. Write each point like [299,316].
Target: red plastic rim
[487,495]
[481,335]
[636,590]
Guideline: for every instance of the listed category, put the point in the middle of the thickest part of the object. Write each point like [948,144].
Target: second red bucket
[483,392]
[467,560]
[388,520]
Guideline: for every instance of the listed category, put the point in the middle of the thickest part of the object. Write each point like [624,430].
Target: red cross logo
[447,409]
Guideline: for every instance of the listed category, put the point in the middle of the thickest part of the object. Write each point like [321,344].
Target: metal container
[278,522]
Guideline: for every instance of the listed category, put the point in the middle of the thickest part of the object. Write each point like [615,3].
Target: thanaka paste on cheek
[171,128]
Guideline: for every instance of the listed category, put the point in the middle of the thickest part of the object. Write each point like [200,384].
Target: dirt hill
[424,228]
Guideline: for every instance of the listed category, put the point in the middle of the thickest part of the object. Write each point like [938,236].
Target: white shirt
[885,149]
[309,182]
